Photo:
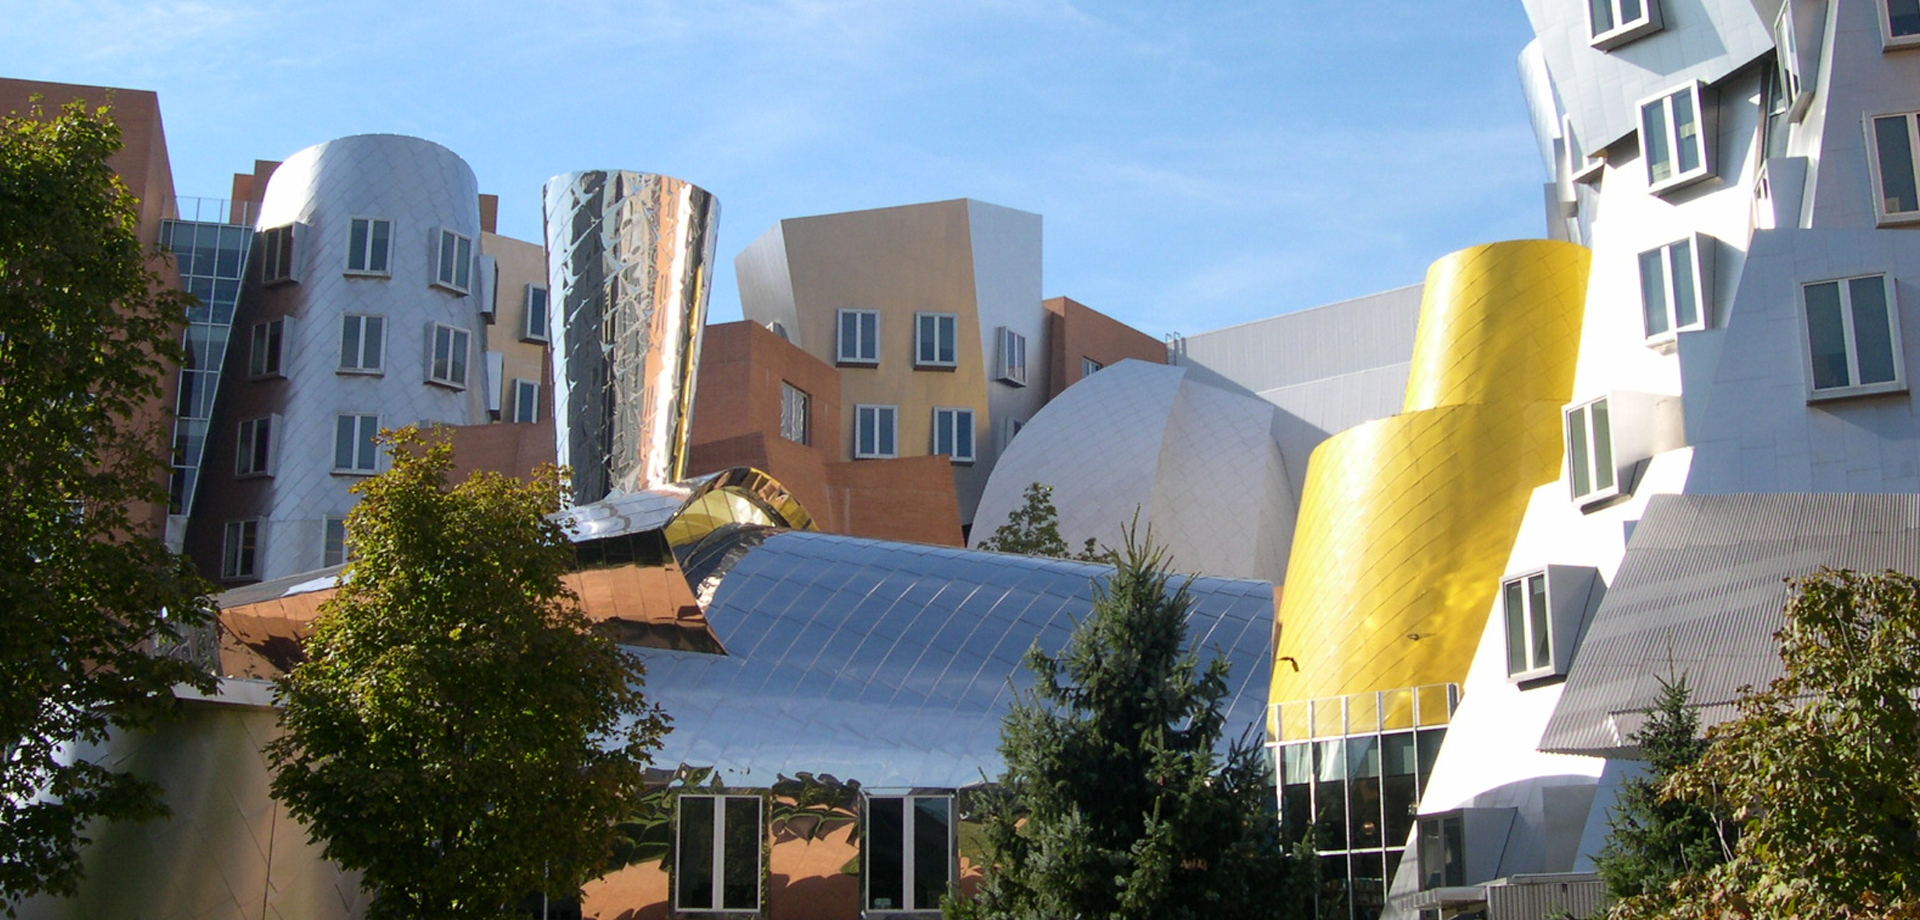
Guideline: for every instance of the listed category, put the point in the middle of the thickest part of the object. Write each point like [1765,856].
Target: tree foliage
[459,733]
[1117,801]
[1655,840]
[1822,768]
[1033,529]
[86,337]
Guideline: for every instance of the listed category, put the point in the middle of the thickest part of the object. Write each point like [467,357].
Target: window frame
[1531,620]
[945,332]
[796,413]
[1888,40]
[1876,175]
[864,348]
[240,550]
[276,254]
[519,386]
[860,415]
[363,451]
[948,424]
[1699,265]
[1090,367]
[253,452]
[1850,340]
[717,862]
[1452,872]
[361,338]
[365,252]
[1696,93]
[1622,30]
[909,817]
[453,271]
[1010,357]
[1591,442]
[270,361]
[463,351]
[329,557]
[529,331]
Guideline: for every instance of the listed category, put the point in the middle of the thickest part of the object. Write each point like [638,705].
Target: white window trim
[1883,217]
[1700,266]
[1006,368]
[463,244]
[947,322]
[908,816]
[378,368]
[796,406]
[1899,382]
[367,254]
[277,254]
[277,355]
[1702,114]
[518,384]
[1596,492]
[232,537]
[246,445]
[528,332]
[1792,79]
[360,420]
[1530,668]
[1623,32]
[863,353]
[859,421]
[458,339]
[717,862]
[946,420]
[1889,41]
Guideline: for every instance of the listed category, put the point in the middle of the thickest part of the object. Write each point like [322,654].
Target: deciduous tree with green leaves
[1655,839]
[459,733]
[87,334]
[1033,529]
[1118,802]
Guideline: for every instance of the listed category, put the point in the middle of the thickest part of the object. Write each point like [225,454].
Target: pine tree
[1655,840]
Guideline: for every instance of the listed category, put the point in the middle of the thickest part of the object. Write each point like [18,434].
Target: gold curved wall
[1406,522]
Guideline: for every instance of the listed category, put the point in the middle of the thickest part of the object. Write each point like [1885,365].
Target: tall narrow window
[1891,144]
[857,340]
[1590,469]
[369,244]
[449,364]
[276,254]
[1853,337]
[876,431]
[1529,630]
[240,551]
[1672,293]
[362,339]
[795,407]
[1010,361]
[536,313]
[254,453]
[935,340]
[718,845]
[908,851]
[1615,22]
[1673,139]
[454,268]
[269,342]
[953,434]
[333,543]
[1443,851]
[354,448]
[526,400]
[1899,23]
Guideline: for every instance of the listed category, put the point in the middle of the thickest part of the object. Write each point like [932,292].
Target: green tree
[86,594]
[1654,839]
[1117,802]
[1033,529]
[459,734]
[1822,768]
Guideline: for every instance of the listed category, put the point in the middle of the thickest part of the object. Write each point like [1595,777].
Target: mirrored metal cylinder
[629,261]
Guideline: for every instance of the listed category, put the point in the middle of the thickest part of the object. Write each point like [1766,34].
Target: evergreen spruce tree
[1654,839]
[1117,802]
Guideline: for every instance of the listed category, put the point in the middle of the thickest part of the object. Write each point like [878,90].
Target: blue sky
[1197,164]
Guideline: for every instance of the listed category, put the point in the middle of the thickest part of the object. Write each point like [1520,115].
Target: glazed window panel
[1443,852]
[1591,474]
[953,434]
[355,449]
[454,267]
[935,339]
[240,550]
[276,255]
[1672,289]
[535,327]
[267,348]
[369,245]
[448,366]
[1900,23]
[718,859]
[1010,357]
[1673,139]
[876,431]
[1853,337]
[253,455]
[362,342]
[333,542]
[1612,23]
[526,400]
[795,407]
[908,851]
[1892,144]
[857,339]
[1529,625]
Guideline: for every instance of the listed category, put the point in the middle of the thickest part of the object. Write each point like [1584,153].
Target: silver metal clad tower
[629,261]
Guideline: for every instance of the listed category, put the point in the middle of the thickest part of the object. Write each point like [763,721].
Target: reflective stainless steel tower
[630,256]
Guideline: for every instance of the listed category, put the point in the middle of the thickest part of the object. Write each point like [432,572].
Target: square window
[268,346]
[276,255]
[1899,24]
[1673,139]
[355,449]
[876,431]
[1853,337]
[454,269]
[858,337]
[240,551]
[333,543]
[254,453]
[526,400]
[449,364]
[1613,23]
[935,340]
[1892,141]
[535,328]
[953,433]
[908,849]
[717,842]
[1673,290]
[1010,357]
[795,407]
[1591,472]
[369,244]
[362,340]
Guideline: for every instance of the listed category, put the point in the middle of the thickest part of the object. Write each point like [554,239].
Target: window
[354,449]
[1443,851]
[536,312]
[1591,474]
[717,863]
[240,553]
[1616,22]
[875,431]
[362,339]
[369,242]
[1853,337]
[1088,367]
[859,337]
[254,455]
[1891,143]
[1788,79]
[455,272]
[1673,139]
[333,543]
[1672,295]
[1010,361]
[1899,24]
[908,851]
[449,367]
[935,340]
[1009,427]
[269,342]
[953,434]
[794,408]
[526,400]
[276,255]
[1529,633]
